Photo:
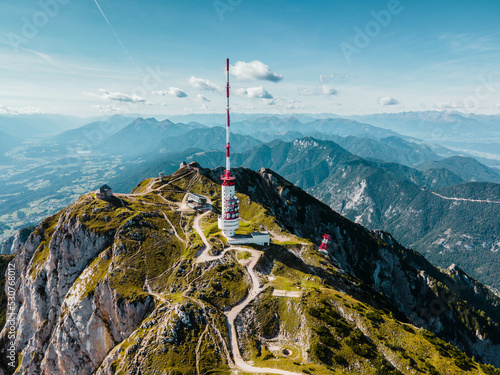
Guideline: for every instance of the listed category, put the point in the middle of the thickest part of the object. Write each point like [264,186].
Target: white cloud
[173,91]
[118,97]
[293,104]
[315,91]
[108,108]
[449,105]
[177,92]
[254,92]
[4,110]
[283,105]
[253,71]
[387,100]
[202,98]
[324,78]
[327,90]
[203,84]
[305,91]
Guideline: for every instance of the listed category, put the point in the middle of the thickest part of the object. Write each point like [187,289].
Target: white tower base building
[229,221]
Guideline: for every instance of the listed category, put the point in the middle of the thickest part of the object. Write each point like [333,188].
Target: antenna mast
[228,122]
[229,219]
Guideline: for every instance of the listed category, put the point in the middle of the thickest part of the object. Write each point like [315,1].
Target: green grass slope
[332,323]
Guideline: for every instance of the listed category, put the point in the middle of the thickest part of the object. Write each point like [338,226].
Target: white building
[257,238]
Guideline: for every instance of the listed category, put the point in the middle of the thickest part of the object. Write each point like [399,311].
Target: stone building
[104,192]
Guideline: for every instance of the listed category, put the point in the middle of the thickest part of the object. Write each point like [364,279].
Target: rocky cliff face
[451,306]
[60,328]
[14,243]
[394,198]
[114,287]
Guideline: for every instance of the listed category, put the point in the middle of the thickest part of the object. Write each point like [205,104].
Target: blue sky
[167,57]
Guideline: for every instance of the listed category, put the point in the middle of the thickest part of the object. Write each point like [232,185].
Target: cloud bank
[118,97]
[4,110]
[449,105]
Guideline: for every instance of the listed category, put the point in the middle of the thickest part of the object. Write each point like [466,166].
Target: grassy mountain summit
[140,284]
[420,209]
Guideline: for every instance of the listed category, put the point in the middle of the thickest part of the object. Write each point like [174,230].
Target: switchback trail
[255,289]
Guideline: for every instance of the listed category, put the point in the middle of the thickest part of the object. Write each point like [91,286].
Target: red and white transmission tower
[229,219]
[324,243]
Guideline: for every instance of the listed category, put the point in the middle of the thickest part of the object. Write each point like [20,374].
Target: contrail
[116,35]
[39,54]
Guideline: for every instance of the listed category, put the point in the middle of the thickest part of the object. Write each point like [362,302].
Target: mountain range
[479,134]
[467,168]
[137,284]
[52,173]
[447,227]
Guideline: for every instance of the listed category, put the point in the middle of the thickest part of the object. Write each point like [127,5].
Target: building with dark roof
[104,192]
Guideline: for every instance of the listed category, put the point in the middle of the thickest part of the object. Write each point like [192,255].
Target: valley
[49,174]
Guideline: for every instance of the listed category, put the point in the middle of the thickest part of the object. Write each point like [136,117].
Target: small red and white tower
[229,219]
[324,244]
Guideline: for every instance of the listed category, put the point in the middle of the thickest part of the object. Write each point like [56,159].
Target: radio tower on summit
[229,220]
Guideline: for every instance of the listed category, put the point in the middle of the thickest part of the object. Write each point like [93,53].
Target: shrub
[408,328]
[320,351]
[359,344]
[463,363]
[489,369]
[430,368]
[325,336]
[384,367]
[374,316]
[339,359]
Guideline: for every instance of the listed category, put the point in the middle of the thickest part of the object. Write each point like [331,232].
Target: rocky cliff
[119,287]
[14,243]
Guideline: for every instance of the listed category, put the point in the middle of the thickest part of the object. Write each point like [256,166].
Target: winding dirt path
[205,255]
[255,288]
[465,199]
[173,228]
[231,315]
[150,291]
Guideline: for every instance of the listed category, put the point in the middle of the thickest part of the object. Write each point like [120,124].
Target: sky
[165,57]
